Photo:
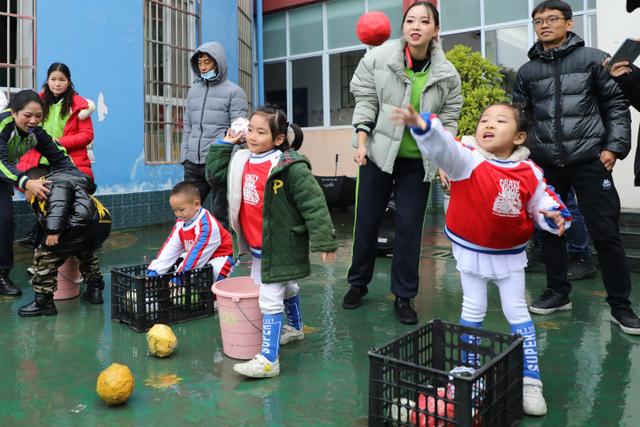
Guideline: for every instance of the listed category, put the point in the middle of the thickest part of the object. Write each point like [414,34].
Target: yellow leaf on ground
[548,324]
[162,381]
[309,329]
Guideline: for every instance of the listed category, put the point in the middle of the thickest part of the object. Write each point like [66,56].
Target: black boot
[7,287]
[42,305]
[93,292]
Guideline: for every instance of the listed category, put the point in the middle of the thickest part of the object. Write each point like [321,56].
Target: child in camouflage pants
[75,224]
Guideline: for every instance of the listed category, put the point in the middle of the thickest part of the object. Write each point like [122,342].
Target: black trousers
[220,206]
[373,192]
[6,226]
[600,206]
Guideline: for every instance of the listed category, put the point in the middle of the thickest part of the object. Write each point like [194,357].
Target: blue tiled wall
[128,210]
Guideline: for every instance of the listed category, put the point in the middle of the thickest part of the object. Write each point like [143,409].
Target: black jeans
[6,226]
[410,194]
[220,206]
[600,206]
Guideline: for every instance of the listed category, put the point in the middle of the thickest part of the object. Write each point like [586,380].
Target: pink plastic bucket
[240,316]
[68,280]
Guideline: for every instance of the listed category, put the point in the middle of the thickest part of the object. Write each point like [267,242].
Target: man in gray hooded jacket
[213,102]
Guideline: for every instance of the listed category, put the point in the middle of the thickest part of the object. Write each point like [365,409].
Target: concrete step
[630,236]
[630,217]
[633,259]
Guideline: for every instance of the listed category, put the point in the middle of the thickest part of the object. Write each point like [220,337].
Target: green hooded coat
[295,218]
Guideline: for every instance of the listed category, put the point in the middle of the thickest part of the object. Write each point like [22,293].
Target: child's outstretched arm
[436,143]
[547,209]
[168,253]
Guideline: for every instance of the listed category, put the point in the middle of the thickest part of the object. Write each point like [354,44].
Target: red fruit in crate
[421,420]
[373,28]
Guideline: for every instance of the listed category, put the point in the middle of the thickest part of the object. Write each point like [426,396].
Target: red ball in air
[373,28]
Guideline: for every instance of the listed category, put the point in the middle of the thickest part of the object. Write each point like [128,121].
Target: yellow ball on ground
[161,340]
[115,384]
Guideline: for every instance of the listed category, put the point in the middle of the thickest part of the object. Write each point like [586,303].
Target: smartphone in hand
[629,50]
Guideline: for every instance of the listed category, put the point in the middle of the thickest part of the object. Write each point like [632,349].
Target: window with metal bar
[245,56]
[17,45]
[171,33]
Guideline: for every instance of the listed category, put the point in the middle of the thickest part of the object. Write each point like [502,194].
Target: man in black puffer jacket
[581,126]
[73,223]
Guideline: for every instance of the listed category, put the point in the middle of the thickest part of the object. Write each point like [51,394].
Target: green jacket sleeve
[217,163]
[307,195]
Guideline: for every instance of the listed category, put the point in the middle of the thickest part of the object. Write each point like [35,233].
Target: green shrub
[481,85]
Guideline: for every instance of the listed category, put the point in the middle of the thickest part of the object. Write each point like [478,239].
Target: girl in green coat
[279,213]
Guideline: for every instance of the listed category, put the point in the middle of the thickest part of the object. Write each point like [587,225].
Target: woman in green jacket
[411,70]
[19,132]
[278,211]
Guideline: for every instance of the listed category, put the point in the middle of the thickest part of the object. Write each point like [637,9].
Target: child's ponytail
[298,137]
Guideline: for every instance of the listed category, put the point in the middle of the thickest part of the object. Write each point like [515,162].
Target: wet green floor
[49,366]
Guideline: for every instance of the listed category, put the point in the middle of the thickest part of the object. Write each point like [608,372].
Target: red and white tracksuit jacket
[198,241]
[494,202]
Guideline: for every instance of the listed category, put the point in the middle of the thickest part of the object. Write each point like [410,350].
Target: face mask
[209,74]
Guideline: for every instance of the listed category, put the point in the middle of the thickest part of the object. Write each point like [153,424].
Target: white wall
[614,25]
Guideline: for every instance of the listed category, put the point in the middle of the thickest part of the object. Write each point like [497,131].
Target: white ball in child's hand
[240,125]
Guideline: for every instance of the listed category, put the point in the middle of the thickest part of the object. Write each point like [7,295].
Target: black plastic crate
[142,301]
[411,375]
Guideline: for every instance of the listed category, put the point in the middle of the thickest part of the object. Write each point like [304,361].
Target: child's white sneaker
[258,367]
[289,334]
[532,399]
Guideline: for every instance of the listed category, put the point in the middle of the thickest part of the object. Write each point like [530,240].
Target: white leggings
[272,295]
[474,300]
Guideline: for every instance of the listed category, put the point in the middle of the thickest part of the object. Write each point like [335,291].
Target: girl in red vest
[67,120]
[497,195]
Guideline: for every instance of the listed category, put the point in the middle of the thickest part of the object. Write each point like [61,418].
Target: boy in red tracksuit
[197,237]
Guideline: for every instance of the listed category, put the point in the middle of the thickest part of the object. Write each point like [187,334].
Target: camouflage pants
[47,262]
